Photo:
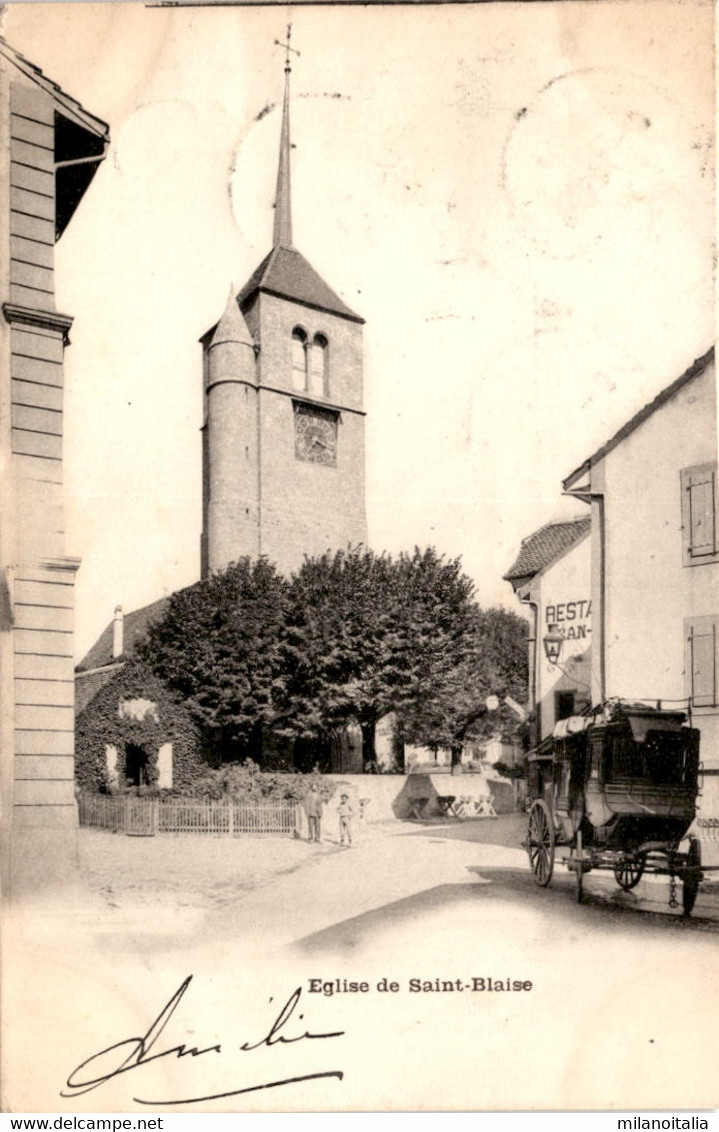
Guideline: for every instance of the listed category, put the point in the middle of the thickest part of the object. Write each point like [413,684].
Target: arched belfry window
[299,359]
[319,367]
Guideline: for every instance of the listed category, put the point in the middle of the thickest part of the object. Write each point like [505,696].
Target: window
[299,359]
[699,514]
[563,705]
[319,372]
[310,363]
[700,668]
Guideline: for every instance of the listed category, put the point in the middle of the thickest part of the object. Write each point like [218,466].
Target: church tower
[283,437]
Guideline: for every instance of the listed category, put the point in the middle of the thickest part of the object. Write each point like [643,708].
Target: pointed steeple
[285,272]
[232,326]
[282,237]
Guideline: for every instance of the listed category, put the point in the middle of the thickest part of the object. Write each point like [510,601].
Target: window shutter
[702,663]
[701,488]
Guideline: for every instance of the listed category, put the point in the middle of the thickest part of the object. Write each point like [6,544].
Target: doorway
[136,765]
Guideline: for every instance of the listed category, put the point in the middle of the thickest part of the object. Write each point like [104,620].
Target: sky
[518,198]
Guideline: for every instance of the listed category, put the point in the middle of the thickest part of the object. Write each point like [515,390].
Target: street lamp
[553,644]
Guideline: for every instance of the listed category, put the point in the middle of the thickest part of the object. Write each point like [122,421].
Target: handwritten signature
[132,1053]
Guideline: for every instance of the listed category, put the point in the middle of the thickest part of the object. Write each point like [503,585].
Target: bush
[246,782]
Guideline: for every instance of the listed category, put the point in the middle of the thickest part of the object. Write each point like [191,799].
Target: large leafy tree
[367,634]
[336,648]
[352,636]
[218,645]
[491,662]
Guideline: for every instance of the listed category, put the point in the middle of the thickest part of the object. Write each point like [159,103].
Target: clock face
[315,435]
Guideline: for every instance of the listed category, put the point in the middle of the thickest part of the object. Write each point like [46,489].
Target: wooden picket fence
[147,816]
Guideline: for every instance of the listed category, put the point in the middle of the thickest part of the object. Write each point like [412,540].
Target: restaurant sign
[570,619]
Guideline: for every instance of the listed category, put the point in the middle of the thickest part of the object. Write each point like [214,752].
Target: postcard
[359,665]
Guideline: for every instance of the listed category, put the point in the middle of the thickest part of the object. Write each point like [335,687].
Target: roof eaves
[582,470]
[70,106]
[523,571]
[639,418]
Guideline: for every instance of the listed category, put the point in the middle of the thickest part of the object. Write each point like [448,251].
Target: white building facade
[552,578]
[652,490]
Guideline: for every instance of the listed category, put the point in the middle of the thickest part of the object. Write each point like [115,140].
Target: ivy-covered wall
[101,724]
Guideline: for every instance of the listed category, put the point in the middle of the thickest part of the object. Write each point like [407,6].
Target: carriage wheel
[540,842]
[691,876]
[629,872]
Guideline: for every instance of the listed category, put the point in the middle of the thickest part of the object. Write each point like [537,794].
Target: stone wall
[386,792]
[308,508]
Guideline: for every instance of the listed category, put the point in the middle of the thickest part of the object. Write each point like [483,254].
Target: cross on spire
[288,48]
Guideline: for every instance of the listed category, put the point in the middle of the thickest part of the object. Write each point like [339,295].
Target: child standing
[346,813]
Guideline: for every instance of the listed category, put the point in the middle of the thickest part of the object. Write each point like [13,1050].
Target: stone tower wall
[231,520]
[307,508]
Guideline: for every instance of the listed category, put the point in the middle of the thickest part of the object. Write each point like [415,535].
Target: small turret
[231,348]
[231,528]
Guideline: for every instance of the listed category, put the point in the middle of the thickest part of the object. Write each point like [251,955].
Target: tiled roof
[135,626]
[286,272]
[546,544]
[88,684]
[694,370]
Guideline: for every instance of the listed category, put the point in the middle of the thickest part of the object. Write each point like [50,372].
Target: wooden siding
[32,228]
[53,768]
[44,742]
[43,617]
[43,642]
[28,443]
[31,251]
[43,816]
[32,197]
[45,371]
[44,697]
[32,204]
[36,394]
[35,343]
[32,666]
[33,102]
[38,469]
[36,180]
[60,693]
[28,129]
[31,418]
[44,792]
[30,275]
[33,156]
[31,297]
[44,717]
[36,361]
[30,591]
[43,599]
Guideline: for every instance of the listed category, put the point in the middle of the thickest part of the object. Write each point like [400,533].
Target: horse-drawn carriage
[618,790]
